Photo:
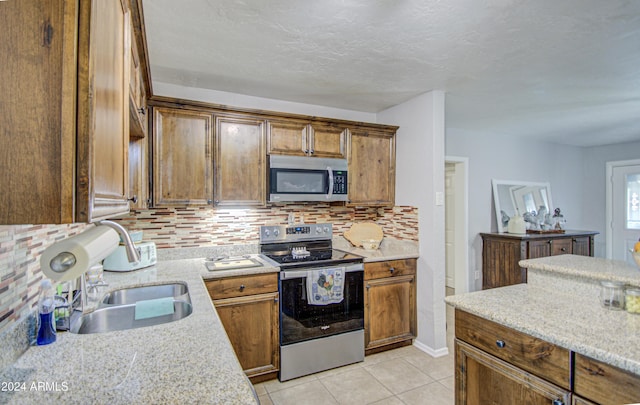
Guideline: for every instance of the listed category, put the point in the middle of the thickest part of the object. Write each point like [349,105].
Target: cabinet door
[372,166]
[251,323]
[500,257]
[240,170]
[288,138]
[390,311]
[582,246]
[182,158]
[484,379]
[328,141]
[103,109]
[539,248]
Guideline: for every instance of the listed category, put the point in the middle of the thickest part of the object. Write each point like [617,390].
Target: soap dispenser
[46,318]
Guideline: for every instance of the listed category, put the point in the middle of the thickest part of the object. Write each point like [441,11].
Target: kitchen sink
[149,292]
[117,310]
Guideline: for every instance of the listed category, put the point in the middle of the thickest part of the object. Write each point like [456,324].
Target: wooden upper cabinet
[137,95]
[372,165]
[182,157]
[239,159]
[103,109]
[301,138]
[65,132]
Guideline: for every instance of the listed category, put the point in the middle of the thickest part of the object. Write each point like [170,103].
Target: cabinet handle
[550,242]
[564,249]
[242,287]
[217,202]
[134,199]
[276,299]
[500,343]
[209,201]
[391,269]
[558,402]
[311,151]
[306,151]
[142,111]
[368,286]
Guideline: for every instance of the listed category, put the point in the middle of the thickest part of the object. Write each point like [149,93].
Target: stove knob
[276,232]
[266,233]
[326,229]
[318,230]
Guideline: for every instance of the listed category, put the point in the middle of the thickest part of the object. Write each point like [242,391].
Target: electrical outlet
[477,274]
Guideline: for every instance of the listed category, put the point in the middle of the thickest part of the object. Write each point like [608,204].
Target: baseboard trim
[430,351]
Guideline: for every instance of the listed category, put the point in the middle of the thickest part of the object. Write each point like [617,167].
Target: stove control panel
[295,233]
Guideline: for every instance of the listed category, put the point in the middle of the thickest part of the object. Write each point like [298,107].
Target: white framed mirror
[519,197]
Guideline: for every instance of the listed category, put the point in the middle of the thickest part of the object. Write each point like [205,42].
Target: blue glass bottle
[46,319]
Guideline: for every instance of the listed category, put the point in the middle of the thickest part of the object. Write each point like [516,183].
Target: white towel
[325,286]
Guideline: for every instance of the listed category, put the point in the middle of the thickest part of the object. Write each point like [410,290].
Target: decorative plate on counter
[364,231]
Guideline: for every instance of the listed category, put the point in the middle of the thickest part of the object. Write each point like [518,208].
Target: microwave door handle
[330,193]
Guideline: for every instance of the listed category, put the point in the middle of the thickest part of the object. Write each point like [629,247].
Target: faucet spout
[133,254]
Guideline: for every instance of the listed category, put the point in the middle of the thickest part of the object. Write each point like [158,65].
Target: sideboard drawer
[531,354]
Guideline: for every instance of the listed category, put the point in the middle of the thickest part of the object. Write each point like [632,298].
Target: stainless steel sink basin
[134,294]
[117,310]
[122,317]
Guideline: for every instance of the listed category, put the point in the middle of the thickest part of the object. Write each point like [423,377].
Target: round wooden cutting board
[360,231]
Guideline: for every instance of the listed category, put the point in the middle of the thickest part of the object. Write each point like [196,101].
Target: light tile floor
[401,376]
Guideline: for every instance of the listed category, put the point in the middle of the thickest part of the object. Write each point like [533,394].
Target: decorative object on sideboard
[517,225]
[531,199]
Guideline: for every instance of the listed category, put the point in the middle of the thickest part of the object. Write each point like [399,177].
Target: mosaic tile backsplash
[205,226]
[22,245]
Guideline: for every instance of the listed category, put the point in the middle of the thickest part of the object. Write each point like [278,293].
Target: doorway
[456,225]
[623,209]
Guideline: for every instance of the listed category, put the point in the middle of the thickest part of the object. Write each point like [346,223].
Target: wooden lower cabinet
[390,304]
[248,309]
[498,365]
[603,383]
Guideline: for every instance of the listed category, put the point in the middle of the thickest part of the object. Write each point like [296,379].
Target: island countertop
[550,309]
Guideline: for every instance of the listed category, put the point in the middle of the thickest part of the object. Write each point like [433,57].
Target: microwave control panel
[339,182]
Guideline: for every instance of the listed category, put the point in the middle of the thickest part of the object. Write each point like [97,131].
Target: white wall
[259,103]
[419,175]
[511,158]
[594,177]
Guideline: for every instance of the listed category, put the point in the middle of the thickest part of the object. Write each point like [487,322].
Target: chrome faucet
[133,254]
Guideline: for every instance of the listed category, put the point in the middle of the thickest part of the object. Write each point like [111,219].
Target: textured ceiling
[566,71]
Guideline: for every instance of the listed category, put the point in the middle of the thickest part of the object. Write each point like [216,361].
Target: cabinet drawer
[603,383]
[531,354]
[242,285]
[390,268]
[560,246]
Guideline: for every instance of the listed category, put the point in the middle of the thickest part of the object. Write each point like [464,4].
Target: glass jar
[632,300]
[612,294]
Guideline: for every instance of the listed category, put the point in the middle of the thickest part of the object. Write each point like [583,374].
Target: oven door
[301,321]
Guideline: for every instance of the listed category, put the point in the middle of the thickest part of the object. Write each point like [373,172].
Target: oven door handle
[291,274]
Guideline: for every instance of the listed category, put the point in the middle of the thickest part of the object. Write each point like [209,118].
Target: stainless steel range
[321,299]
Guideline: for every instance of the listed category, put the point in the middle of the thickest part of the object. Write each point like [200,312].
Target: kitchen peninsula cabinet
[604,384]
[182,157]
[239,161]
[372,165]
[301,138]
[248,309]
[65,80]
[390,304]
[501,253]
[498,365]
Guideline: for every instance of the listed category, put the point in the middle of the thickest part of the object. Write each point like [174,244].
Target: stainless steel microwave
[300,178]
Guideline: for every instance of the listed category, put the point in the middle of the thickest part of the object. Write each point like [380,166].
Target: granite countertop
[564,310]
[186,361]
[585,267]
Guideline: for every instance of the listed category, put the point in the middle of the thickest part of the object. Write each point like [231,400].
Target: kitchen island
[560,306]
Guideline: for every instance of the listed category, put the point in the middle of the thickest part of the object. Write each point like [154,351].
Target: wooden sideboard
[501,253]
